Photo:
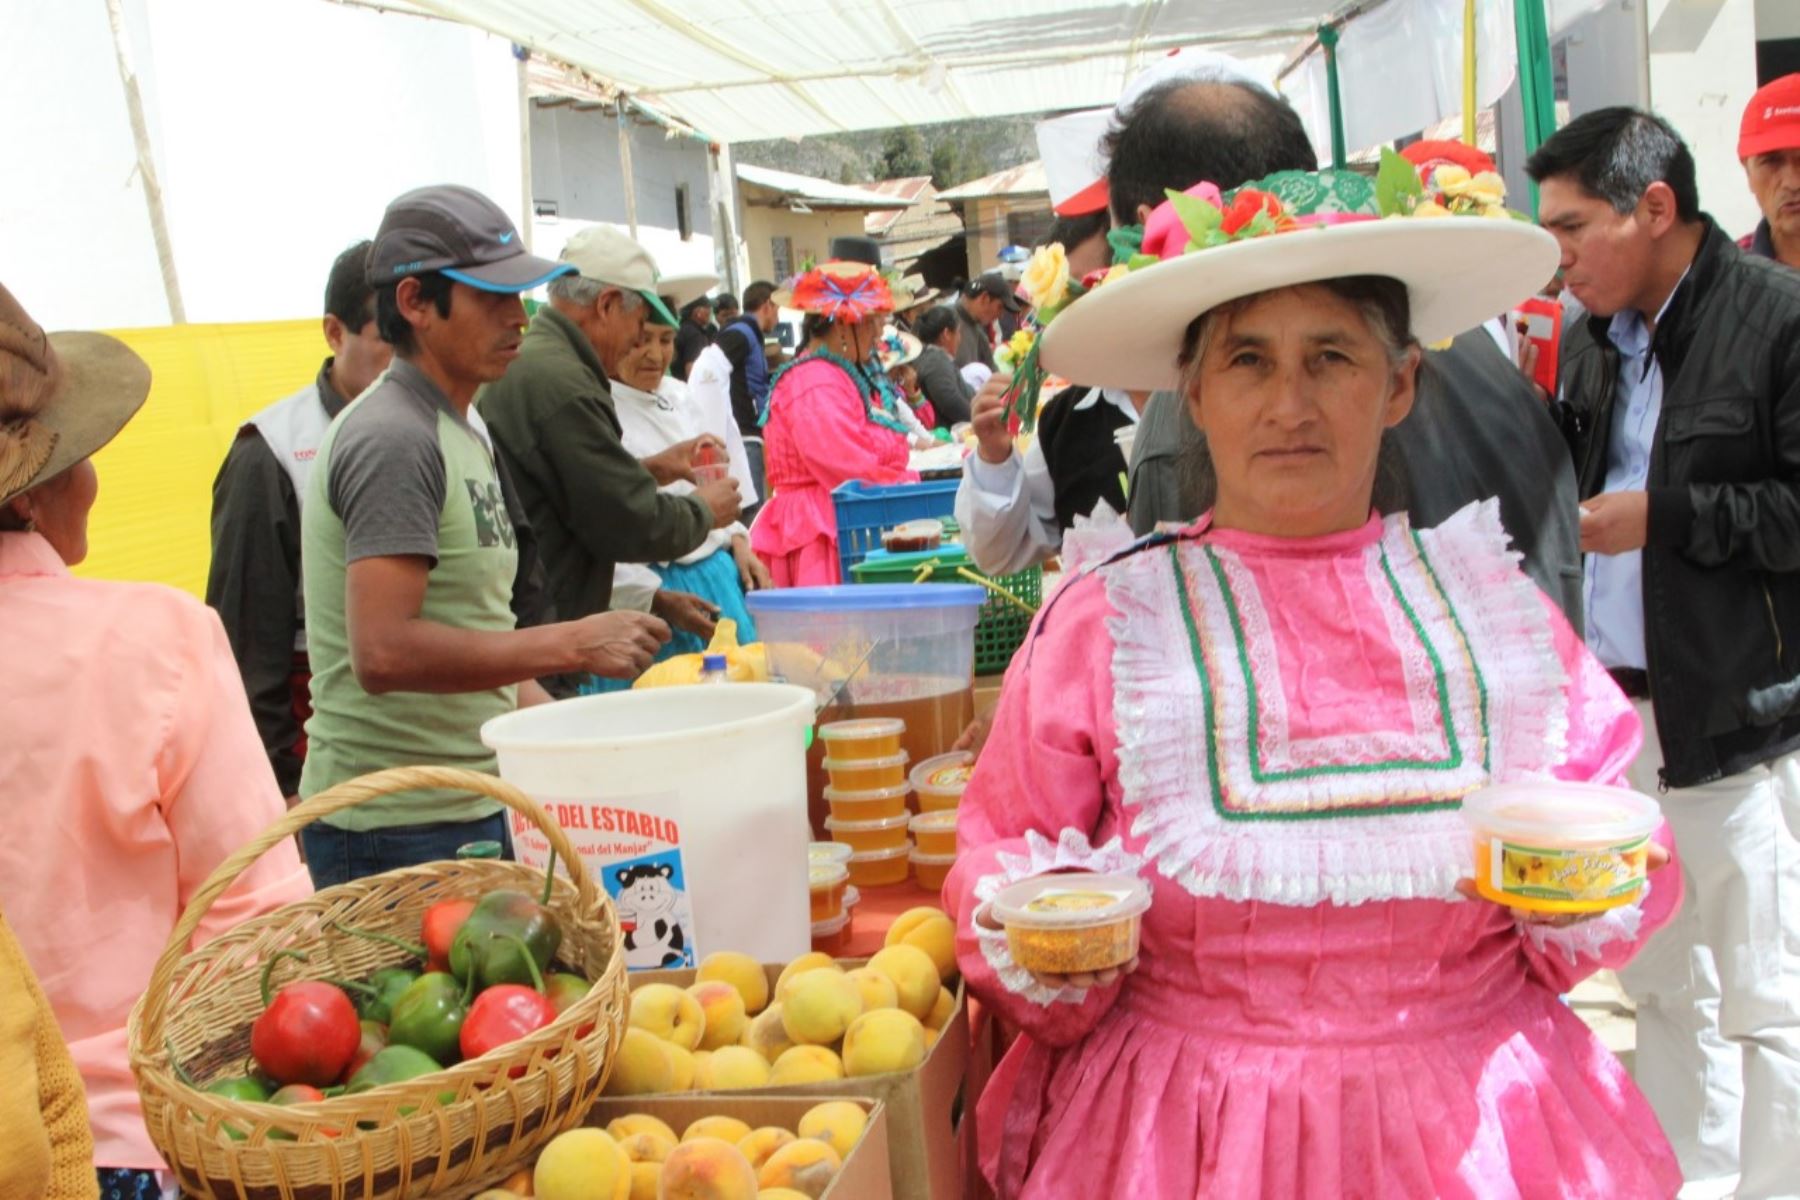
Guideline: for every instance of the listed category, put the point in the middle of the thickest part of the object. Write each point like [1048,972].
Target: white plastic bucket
[688,804]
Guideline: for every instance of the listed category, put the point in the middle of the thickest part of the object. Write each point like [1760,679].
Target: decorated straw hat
[62,397]
[1202,249]
[897,348]
[843,291]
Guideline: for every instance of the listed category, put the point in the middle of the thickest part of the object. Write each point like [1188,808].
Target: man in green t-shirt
[409,549]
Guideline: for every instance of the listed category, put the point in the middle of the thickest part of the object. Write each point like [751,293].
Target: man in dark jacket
[983,299]
[558,434]
[1682,406]
[694,335]
[254,579]
[742,344]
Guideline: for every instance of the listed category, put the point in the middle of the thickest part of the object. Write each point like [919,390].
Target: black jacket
[690,339]
[943,385]
[1722,563]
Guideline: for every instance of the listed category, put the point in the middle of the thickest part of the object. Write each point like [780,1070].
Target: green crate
[1001,628]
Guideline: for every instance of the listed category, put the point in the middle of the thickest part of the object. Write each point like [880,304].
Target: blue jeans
[337,856]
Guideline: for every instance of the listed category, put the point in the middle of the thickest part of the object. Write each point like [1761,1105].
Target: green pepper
[238,1087]
[484,948]
[375,999]
[429,1015]
[565,989]
[394,1064]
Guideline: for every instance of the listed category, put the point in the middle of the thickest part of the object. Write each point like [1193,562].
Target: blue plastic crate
[865,509]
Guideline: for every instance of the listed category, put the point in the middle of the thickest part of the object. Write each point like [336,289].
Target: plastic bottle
[714,669]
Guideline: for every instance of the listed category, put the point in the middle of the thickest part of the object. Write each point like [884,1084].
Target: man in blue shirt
[1681,402]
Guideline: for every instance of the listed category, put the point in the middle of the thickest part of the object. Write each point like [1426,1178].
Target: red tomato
[504,1013]
[438,929]
[307,1034]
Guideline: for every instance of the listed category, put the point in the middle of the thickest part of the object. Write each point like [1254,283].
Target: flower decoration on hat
[843,291]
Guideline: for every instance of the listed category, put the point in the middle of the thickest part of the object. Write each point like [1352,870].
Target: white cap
[607,254]
[1071,145]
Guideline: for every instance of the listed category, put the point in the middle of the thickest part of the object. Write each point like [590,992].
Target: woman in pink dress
[1271,717]
[828,423]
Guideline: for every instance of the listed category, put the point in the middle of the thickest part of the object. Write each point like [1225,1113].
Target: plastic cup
[827,882]
[711,473]
[867,806]
[873,737]
[827,852]
[881,868]
[883,834]
[932,869]
[940,781]
[1079,922]
[867,774]
[1560,847]
[935,832]
[832,936]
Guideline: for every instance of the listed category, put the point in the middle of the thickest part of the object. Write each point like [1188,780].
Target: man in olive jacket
[555,427]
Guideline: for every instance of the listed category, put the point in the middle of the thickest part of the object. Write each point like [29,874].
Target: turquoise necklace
[877,401]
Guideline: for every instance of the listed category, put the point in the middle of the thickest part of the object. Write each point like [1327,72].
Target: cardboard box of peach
[892,1028]
[714,1148]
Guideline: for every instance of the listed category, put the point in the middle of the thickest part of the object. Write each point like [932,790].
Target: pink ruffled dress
[818,436]
[1276,734]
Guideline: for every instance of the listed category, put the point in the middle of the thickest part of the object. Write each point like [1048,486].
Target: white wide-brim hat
[1458,272]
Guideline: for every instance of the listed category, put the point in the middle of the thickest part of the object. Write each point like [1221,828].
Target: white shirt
[651,423]
[1008,510]
[708,390]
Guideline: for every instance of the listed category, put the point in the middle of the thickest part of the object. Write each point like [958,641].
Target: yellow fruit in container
[806,1064]
[725,1129]
[883,1042]
[780,1194]
[820,1005]
[806,1165]
[766,1035]
[812,960]
[646,1180]
[941,1011]
[687,1065]
[644,1066]
[582,1164]
[647,1147]
[668,1012]
[914,975]
[762,1143]
[928,929]
[838,1122]
[635,1123]
[741,972]
[878,990]
[707,1169]
[722,1007]
[732,1069]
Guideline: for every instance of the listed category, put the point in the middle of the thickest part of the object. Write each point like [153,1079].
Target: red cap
[1771,119]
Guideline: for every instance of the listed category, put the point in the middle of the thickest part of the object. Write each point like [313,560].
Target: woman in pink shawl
[1271,717]
[829,422]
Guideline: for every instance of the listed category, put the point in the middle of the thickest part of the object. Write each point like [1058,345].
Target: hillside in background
[951,153]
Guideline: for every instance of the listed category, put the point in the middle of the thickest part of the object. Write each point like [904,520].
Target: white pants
[1718,988]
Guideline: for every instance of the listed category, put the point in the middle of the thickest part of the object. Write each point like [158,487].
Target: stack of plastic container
[828,877]
[867,795]
[939,783]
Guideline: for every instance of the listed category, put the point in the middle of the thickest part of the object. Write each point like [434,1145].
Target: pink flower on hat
[1164,234]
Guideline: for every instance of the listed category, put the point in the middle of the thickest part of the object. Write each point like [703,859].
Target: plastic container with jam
[881,868]
[852,897]
[1560,847]
[913,536]
[935,832]
[866,774]
[867,806]
[832,936]
[940,781]
[1064,924]
[932,869]
[870,737]
[827,852]
[881,834]
[828,882]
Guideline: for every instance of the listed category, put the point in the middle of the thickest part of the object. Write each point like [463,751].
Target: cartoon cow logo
[653,913]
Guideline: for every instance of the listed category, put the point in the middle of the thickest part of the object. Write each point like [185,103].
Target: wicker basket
[401,1140]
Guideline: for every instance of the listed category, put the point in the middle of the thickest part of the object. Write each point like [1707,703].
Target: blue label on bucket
[651,895]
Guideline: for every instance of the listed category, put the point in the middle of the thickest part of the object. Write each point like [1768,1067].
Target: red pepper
[307,1032]
[438,929]
[507,1012]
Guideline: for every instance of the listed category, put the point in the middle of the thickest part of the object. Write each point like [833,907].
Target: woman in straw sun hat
[129,766]
[1271,718]
[830,421]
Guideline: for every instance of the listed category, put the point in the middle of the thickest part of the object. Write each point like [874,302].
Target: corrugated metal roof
[816,193]
[1025,180]
[909,189]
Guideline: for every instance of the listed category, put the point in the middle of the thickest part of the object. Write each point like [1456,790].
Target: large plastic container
[1003,625]
[876,651]
[1558,847]
[687,804]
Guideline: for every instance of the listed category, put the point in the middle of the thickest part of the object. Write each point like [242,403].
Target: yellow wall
[151,520]
[812,233]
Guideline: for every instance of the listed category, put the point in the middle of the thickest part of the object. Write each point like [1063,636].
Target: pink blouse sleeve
[837,445]
[218,791]
[1604,736]
[1036,804]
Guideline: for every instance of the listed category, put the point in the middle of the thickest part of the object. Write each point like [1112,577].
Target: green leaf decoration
[1197,216]
[1397,186]
[1138,262]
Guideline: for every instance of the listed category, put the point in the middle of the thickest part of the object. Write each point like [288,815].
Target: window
[684,222]
[781,250]
[1028,227]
